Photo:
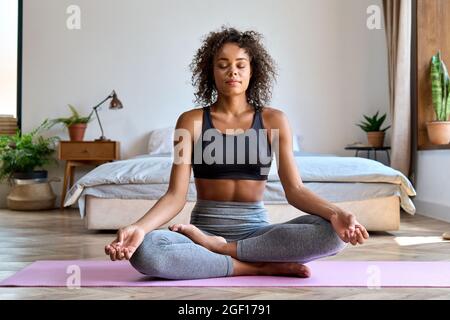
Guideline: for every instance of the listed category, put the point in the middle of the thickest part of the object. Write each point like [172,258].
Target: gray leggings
[171,255]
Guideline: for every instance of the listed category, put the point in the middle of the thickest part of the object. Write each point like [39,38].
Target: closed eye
[224,67]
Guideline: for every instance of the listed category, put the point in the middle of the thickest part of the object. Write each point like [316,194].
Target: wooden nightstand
[81,153]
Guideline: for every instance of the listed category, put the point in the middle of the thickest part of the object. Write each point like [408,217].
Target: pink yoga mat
[370,274]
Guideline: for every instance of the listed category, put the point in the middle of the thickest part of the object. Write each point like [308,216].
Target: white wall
[433,184]
[332,68]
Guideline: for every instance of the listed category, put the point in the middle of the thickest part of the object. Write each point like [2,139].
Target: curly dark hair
[259,91]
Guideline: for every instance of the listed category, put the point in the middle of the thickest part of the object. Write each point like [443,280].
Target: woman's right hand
[127,241]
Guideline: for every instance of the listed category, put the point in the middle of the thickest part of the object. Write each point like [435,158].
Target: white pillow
[161,141]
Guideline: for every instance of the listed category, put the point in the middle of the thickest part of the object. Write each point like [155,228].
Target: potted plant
[439,130]
[21,154]
[76,124]
[372,126]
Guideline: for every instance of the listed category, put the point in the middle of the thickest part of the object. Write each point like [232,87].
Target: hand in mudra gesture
[348,228]
[127,241]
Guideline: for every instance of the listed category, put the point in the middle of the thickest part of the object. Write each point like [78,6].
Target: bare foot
[212,243]
[287,269]
[295,269]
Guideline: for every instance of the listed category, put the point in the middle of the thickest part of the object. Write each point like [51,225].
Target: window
[9,75]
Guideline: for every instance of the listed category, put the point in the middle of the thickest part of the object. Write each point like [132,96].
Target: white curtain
[398,15]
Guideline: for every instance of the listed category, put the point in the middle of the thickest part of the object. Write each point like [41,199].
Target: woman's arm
[296,193]
[301,197]
[169,205]
[173,201]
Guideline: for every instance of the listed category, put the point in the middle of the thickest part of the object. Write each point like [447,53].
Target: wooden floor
[57,235]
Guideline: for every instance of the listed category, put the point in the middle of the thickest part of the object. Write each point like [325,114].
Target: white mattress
[274,193]
[337,179]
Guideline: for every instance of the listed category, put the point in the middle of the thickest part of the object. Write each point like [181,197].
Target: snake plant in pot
[439,130]
[372,126]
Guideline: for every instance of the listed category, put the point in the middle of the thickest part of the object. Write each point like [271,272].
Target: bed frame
[380,214]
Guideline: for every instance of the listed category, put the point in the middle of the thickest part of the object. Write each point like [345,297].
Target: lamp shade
[115,102]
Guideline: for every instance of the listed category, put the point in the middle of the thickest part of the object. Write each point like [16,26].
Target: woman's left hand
[348,228]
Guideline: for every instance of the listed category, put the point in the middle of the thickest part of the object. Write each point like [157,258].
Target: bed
[118,193]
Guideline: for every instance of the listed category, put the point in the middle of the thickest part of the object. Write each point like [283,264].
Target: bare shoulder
[274,118]
[191,120]
[187,119]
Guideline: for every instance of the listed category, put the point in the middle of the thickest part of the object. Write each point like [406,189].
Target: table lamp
[115,104]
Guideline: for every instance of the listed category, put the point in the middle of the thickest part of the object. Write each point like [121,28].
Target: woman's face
[232,70]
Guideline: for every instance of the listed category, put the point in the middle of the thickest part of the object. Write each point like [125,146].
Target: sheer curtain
[397,17]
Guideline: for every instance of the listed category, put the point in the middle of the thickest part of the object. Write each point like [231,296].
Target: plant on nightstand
[76,124]
[439,130]
[372,126]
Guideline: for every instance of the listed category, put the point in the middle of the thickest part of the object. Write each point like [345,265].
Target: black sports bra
[217,155]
